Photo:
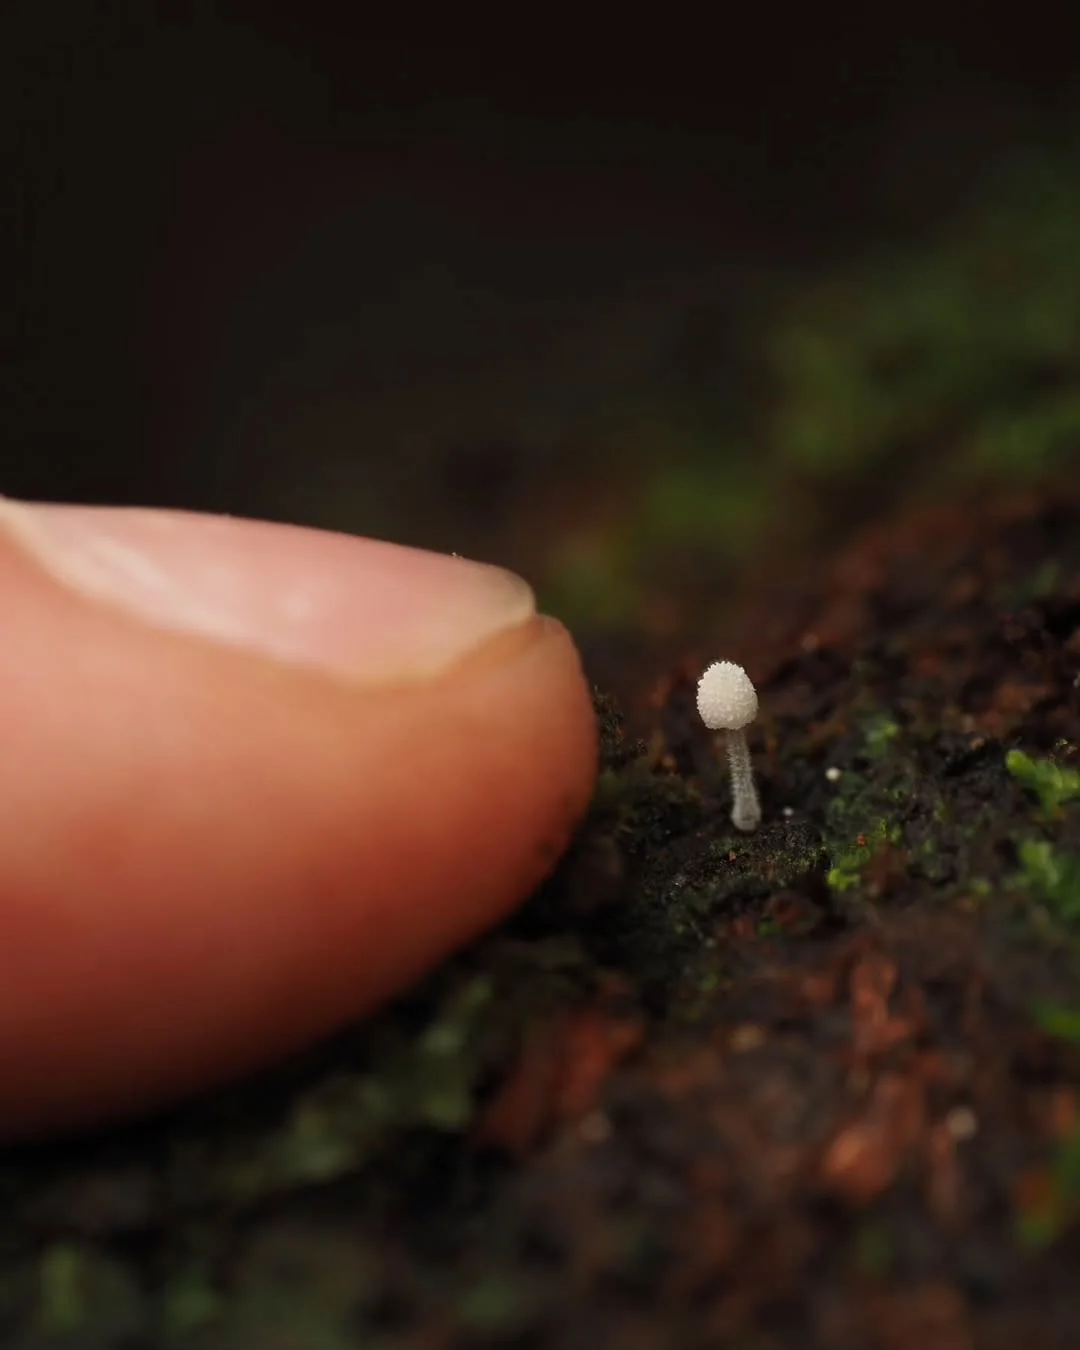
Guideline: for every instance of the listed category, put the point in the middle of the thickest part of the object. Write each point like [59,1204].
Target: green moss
[1050,782]
[848,863]
[1063,1023]
[296,1285]
[1041,1225]
[879,734]
[87,1296]
[190,1303]
[418,1068]
[592,583]
[1050,877]
[872,1250]
[945,362]
[493,1305]
[1040,585]
[425,1080]
[716,504]
[975,333]
[867,808]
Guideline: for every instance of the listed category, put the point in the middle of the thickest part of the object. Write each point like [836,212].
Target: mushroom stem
[746,805]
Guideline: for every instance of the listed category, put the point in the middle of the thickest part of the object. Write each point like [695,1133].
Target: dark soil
[817,1086]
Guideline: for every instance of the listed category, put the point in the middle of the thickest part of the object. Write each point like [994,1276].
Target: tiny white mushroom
[727,701]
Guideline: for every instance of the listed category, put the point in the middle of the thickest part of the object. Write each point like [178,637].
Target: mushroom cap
[726,699]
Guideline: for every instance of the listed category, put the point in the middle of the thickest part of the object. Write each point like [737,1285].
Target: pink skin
[237,811]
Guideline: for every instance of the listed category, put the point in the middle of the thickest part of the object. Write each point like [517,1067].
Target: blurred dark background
[517,288]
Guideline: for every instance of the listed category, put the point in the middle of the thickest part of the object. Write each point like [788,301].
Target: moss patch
[1051,783]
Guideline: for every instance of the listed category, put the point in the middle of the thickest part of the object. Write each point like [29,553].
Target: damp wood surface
[813,1086]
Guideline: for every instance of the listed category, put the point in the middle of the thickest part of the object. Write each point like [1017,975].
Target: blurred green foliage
[1050,782]
[967,346]
[1050,877]
[917,371]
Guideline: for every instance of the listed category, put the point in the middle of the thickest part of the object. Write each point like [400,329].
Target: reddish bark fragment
[557,1079]
[864,1158]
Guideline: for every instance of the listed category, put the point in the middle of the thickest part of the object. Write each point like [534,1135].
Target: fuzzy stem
[745,806]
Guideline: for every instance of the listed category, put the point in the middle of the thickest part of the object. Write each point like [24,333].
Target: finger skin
[208,859]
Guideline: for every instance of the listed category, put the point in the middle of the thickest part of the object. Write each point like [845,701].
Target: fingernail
[353,606]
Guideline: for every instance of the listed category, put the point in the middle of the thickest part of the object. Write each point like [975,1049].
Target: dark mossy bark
[813,1086]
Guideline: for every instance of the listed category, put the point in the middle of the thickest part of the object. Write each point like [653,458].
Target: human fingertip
[362,609]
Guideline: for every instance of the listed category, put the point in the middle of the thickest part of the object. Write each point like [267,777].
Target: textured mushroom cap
[726,699]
